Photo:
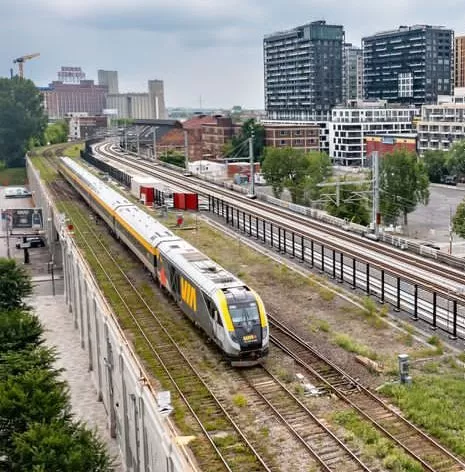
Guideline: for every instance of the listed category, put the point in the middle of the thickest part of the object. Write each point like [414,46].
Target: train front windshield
[244,314]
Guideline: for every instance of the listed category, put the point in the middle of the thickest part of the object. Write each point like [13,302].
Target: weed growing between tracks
[373,444]
[435,402]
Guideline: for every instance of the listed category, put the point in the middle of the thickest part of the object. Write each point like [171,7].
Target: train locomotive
[227,310]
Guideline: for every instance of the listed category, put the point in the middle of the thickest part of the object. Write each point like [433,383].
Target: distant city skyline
[212,49]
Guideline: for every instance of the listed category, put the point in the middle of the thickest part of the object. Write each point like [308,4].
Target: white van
[17,192]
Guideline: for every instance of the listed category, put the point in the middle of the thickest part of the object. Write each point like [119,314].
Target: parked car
[450,180]
[17,192]
[34,241]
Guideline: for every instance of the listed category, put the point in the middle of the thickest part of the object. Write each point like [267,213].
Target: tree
[319,169]
[33,397]
[19,362]
[436,164]
[22,119]
[173,157]
[458,222]
[15,284]
[403,184]
[285,167]
[19,329]
[57,133]
[456,158]
[59,446]
[248,128]
[351,206]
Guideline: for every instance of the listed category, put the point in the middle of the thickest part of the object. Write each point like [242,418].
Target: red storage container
[179,201]
[147,195]
[192,201]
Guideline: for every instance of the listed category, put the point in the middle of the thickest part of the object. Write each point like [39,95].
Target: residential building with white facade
[349,127]
[443,124]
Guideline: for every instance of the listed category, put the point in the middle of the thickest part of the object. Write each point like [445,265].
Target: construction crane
[21,60]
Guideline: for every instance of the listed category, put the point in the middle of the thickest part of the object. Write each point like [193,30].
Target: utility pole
[252,165]
[186,150]
[154,128]
[376,214]
[450,230]
[137,141]
[126,138]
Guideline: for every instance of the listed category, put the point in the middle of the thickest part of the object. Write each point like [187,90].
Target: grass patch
[13,176]
[240,400]
[347,343]
[369,306]
[323,325]
[435,403]
[73,150]
[326,294]
[374,444]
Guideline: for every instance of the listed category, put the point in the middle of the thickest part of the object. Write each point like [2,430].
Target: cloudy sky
[200,48]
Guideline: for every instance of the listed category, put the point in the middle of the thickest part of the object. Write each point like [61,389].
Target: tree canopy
[456,158]
[436,163]
[248,128]
[57,133]
[403,185]
[22,119]
[15,284]
[295,170]
[458,222]
[37,431]
[351,206]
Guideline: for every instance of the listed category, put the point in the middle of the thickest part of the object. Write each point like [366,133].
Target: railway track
[429,453]
[230,450]
[311,433]
[326,448]
[258,207]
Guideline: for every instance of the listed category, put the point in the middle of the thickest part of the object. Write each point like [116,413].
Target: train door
[216,322]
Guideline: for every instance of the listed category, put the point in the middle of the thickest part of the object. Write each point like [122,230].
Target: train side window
[218,318]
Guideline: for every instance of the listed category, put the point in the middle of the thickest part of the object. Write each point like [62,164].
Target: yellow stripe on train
[188,294]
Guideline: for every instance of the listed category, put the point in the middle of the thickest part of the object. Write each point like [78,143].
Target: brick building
[216,134]
[61,99]
[299,136]
[384,144]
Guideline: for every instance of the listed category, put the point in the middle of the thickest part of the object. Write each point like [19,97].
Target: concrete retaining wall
[147,439]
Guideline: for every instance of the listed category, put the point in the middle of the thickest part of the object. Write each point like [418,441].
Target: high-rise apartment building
[303,71]
[460,61]
[410,65]
[110,79]
[352,73]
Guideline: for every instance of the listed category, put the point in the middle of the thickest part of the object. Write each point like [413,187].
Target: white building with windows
[350,125]
[443,124]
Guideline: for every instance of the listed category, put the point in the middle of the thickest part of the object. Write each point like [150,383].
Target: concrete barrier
[147,439]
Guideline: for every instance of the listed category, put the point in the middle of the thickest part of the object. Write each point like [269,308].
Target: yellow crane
[21,60]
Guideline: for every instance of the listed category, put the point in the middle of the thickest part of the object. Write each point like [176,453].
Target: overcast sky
[207,48]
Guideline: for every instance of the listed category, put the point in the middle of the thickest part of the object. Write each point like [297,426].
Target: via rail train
[228,311]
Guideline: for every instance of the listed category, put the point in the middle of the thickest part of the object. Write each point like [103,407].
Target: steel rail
[276,326]
[428,264]
[319,456]
[154,350]
[425,281]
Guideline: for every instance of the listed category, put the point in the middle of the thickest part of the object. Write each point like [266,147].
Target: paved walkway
[60,332]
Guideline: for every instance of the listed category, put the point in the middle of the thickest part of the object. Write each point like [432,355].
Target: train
[228,311]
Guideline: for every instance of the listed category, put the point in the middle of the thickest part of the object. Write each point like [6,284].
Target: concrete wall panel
[147,439]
